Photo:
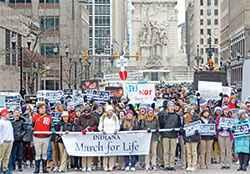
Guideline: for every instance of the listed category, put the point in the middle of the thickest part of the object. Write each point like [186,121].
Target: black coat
[19,129]
[62,127]
[193,138]
[168,121]
[28,137]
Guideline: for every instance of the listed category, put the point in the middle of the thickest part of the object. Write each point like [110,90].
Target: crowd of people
[21,148]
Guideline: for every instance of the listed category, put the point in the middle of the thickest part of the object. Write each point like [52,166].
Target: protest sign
[241,130]
[226,90]
[89,84]
[226,123]
[115,92]
[12,103]
[56,116]
[191,128]
[2,101]
[76,100]
[207,129]
[98,96]
[68,91]
[141,93]
[98,144]
[50,95]
[210,90]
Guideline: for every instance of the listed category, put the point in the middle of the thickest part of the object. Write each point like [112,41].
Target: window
[216,22]
[20,1]
[7,47]
[14,54]
[201,41]
[209,12]
[201,12]
[201,31]
[49,1]
[154,76]
[216,41]
[19,45]
[201,22]
[208,41]
[209,22]
[216,31]
[208,2]
[201,2]
[216,12]
[215,2]
[47,50]
[49,23]
[208,31]
[202,51]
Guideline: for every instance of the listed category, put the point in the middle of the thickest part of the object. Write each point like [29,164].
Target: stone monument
[154,35]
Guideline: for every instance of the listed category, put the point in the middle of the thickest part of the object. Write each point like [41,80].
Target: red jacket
[41,124]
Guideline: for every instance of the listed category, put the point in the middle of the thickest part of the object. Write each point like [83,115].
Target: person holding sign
[170,120]
[191,141]
[225,139]
[241,144]
[109,123]
[206,140]
[87,122]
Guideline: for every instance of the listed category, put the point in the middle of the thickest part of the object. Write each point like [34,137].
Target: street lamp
[238,55]
[67,50]
[29,38]
[13,40]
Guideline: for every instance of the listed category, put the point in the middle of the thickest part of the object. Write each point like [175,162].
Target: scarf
[141,116]
[129,124]
[149,119]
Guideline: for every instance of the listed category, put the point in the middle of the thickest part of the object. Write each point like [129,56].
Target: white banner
[210,90]
[141,93]
[98,144]
[226,90]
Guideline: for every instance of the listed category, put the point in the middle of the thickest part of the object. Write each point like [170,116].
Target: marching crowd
[21,147]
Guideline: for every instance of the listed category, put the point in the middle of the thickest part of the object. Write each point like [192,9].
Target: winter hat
[205,110]
[210,100]
[87,108]
[65,113]
[24,109]
[233,97]
[143,106]
[129,112]
[170,103]
[150,109]
[203,102]
[109,107]
[4,112]
[190,109]
[100,106]
[224,108]
[191,96]
[123,98]
[241,112]
[78,109]
[193,103]
[237,101]
[186,106]
[216,109]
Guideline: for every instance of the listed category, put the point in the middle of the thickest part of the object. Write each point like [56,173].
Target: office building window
[209,22]
[19,45]
[201,12]
[216,41]
[201,41]
[209,12]
[216,31]
[201,31]
[154,76]
[49,23]
[216,22]
[201,22]
[216,60]
[208,2]
[14,53]
[216,12]
[20,1]
[49,1]
[46,50]
[216,2]
[7,47]
[102,1]
[201,2]
[208,41]
[208,31]
[202,51]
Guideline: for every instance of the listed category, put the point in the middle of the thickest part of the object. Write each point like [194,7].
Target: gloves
[104,133]
[115,132]
[221,129]
[83,132]
[67,132]
[157,130]
[196,132]
[228,129]
[90,129]
[148,130]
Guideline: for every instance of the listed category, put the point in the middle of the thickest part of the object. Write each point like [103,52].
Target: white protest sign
[226,90]
[98,95]
[141,93]
[241,130]
[98,144]
[210,90]
[207,129]
[76,100]
[191,128]
[226,123]
[56,116]
[122,62]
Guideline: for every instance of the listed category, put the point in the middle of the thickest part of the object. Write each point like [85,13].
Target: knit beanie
[129,112]
[190,109]
[203,102]
[186,106]
[216,109]
[224,108]
[193,103]
[109,107]
[100,106]
[241,112]
[78,109]
[150,109]
[24,109]
[170,103]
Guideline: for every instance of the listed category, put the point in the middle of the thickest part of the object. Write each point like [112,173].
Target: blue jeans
[16,154]
[133,160]
[49,151]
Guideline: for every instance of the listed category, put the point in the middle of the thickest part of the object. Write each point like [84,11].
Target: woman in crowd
[242,143]
[170,120]
[191,141]
[151,122]
[216,147]
[87,122]
[225,139]
[65,125]
[206,140]
[109,123]
[129,124]
[232,104]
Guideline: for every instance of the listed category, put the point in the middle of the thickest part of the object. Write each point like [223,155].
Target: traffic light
[217,69]
[211,63]
[137,56]
[84,55]
[44,74]
[116,54]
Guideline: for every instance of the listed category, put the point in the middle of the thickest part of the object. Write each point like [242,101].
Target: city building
[203,22]
[235,38]
[63,27]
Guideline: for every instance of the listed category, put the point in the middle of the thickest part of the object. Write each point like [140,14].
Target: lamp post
[20,50]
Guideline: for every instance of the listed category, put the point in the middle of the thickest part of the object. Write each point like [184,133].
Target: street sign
[122,62]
